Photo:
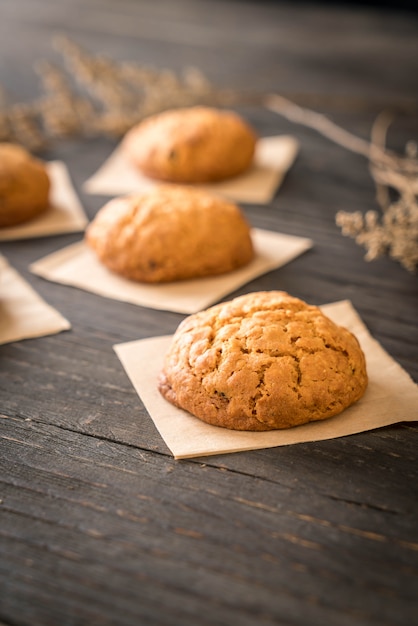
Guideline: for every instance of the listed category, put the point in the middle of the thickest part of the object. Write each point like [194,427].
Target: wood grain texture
[98,524]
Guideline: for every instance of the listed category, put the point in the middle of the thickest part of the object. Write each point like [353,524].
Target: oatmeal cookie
[24,185]
[263,361]
[191,145]
[170,233]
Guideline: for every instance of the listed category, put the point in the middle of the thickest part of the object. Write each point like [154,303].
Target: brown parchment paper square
[273,157]
[78,266]
[391,397]
[23,313]
[65,214]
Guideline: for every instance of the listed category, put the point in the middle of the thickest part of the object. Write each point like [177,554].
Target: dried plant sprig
[22,126]
[126,92]
[99,96]
[395,232]
[64,114]
[320,123]
[371,150]
[95,96]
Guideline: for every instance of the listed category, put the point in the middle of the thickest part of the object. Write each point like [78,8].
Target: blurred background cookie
[170,233]
[24,185]
[191,145]
[263,361]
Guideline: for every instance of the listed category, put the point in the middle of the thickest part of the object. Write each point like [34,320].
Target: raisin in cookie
[191,145]
[170,233]
[263,361]
[24,185]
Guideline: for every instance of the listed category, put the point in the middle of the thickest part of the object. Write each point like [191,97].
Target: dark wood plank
[106,517]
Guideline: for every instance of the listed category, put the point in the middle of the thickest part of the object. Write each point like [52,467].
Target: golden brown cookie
[170,233]
[24,185]
[263,361]
[191,145]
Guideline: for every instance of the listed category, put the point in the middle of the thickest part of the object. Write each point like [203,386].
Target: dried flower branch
[395,232]
[96,96]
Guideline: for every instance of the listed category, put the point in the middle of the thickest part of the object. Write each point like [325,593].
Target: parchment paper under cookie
[78,266]
[23,313]
[274,156]
[65,215]
[391,397]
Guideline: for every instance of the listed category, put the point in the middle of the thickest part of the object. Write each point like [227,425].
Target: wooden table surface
[98,523]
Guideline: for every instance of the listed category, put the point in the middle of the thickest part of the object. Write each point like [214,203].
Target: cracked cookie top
[263,361]
[191,145]
[170,233]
